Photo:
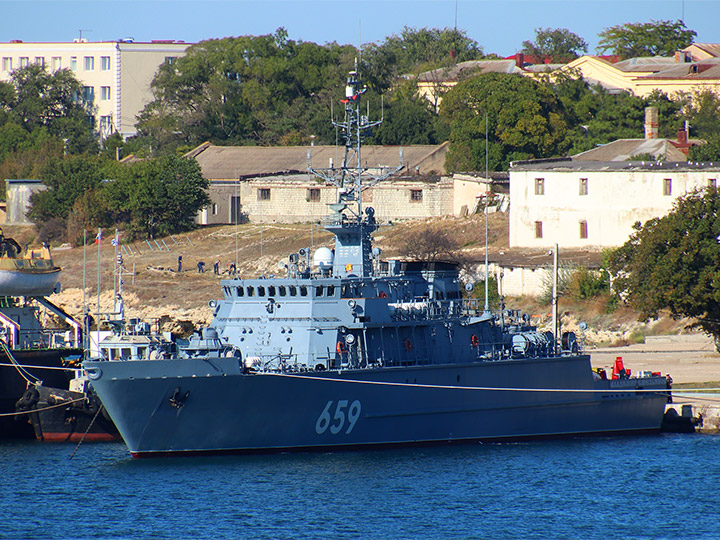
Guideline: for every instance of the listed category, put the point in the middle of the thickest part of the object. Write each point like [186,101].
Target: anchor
[177,400]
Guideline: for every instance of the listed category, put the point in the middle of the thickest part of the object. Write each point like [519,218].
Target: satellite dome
[323,258]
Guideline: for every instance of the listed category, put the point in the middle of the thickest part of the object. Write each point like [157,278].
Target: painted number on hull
[337,421]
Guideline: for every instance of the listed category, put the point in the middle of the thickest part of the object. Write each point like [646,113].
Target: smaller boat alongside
[74,414]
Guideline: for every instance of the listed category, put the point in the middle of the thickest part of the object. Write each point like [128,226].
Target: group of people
[232,270]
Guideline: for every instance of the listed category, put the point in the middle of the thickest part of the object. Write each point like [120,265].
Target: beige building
[115,74]
[594,204]
[271,184]
[693,69]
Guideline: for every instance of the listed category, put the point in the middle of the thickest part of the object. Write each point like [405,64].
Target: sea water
[665,486]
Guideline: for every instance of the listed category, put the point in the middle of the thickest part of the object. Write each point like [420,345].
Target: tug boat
[347,351]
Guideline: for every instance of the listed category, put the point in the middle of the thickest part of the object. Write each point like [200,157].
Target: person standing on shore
[180,263]
[216,267]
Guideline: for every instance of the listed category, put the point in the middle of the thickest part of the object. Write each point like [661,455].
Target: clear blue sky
[499,26]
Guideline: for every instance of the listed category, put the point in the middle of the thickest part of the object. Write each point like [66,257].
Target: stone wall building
[271,184]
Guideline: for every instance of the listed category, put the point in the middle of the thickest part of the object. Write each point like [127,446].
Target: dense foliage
[556,45]
[524,120]
[671,263]
[656,38]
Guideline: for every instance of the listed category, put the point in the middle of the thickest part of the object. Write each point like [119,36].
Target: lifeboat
[31,273]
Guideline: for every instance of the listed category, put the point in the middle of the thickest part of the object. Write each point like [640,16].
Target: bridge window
[293,290]
[303,290]
[319,290]
[331,290]
[261,291]
[251,291]
[271,290]
[240,291]
[282,290]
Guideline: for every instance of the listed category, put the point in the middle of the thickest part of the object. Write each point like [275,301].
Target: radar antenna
[352,178]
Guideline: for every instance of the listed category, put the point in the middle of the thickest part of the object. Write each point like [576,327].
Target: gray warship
[348,351]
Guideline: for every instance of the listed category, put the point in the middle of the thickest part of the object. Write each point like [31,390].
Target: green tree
[409,119]
[67,179]
[159,196]
[524,118]
[671,263]
[656,38]
[558,45]
[414,50]
[54,101]
[246,90]
[703,114]
[710,151]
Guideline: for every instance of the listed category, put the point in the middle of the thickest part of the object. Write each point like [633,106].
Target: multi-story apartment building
[115,74]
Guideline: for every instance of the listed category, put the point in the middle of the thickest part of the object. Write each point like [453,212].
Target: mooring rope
[100,408]
[23,372]
[499,388]
[30,411]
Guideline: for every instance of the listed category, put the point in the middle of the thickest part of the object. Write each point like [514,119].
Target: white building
[591,204]
[116,74]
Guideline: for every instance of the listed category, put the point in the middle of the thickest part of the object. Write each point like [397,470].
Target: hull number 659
[344,416]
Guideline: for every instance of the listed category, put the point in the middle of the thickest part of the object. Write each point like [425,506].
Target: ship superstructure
[347,350]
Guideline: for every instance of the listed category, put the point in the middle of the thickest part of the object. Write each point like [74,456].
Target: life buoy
[383,294]
[407,344]
[340,347]
[474,341]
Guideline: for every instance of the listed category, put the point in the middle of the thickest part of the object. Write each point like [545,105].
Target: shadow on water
[618,487]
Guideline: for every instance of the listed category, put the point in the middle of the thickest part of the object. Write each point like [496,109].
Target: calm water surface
[637,487]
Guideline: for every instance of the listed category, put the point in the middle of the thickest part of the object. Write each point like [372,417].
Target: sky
[499,26]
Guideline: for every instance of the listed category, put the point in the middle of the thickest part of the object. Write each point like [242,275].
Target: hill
[154,289]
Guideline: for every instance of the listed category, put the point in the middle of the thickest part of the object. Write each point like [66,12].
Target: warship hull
[211,406]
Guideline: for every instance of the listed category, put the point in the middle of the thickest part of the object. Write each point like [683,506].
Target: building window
[667,186]
[88,93]
[7,64]
[712,183]
[583,186]
[416,195]
[56,63]
[73,63]
[214,209]
[40,61]
[24,61]
[583,229]
[540,187]
[89,63]
[313,194]
[169,60]
[104,92]
[105,63]
[538,229]
[263,194]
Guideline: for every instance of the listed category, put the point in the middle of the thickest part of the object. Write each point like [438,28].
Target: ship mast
[346,221]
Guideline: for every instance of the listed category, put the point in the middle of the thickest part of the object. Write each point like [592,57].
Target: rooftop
[230,162]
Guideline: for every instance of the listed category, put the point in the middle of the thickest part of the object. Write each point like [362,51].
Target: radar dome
[323,258]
